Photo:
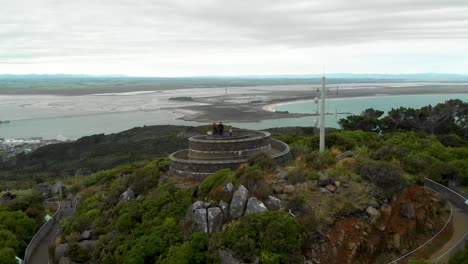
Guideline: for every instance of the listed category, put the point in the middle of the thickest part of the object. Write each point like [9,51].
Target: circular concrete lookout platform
[208,154]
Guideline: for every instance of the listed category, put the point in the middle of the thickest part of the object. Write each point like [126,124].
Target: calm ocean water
[75,126]
[357,105]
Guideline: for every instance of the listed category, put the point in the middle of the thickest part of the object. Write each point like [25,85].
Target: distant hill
[89,84]
[98,152]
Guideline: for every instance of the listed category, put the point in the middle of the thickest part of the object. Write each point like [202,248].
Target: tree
[7,256]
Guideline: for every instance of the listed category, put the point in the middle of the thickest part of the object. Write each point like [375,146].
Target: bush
[253,179]
[320,160]
[263,161]
[218,179]
[273,233]
[192,251]
[383,174]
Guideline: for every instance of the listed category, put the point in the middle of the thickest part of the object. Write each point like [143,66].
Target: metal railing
[453,198]
[42,232]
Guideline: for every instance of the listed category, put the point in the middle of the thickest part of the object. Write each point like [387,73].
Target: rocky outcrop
[226,257]
[238,202]
[255,206]
[224,210]
[273,203]
[196,205]
[200,221]
[60,252]
[215,219]
[128,195]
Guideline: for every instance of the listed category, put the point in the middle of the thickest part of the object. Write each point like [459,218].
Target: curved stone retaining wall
[249,144]
[184,166]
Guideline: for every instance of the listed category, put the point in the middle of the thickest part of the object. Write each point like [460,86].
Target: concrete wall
[448,194]
[181,166]
[43,231]
[459,201]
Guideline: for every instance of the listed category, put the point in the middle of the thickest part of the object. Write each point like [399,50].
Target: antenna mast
[322,116]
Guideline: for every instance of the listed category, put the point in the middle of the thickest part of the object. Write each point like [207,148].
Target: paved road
[460,227]
[41,253]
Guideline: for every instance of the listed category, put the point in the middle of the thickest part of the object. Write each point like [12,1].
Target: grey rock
[128,195]
[230,188]
[288,189]
[89,245]
[324,190]
[60,251]
[407,211]
[346,154]
[324,181]
[273,203]
[206,205]
[45,189]
[238,202]
[255,206]
[58,187]
[226,257]
[196,205]
[225,210]
[373,213]
[85,235]
[331,188]
[215,219]
[200,222]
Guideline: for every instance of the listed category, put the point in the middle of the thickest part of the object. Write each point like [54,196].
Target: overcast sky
[221,37]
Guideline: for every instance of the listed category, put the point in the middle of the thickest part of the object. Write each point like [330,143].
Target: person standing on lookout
[214,130]
[220,128]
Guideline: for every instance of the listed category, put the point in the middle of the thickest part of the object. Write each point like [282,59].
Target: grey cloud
[52,28]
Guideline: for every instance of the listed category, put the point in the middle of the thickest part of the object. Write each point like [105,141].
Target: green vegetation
[274,236]
[19,220]
[317,189]
[93,153]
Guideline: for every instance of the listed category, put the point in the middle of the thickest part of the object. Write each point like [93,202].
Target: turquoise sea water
[75,126]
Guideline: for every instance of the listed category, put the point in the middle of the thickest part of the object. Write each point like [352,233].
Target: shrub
[253,179]
[218,179]
[273,233]
[263,161]
[384,174]
[320,160]
[298,175]
[193,251]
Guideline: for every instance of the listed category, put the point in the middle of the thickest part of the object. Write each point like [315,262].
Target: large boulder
[225,210]
[407,211]
[60,251]
[128,195]
[200,222]
[215,219]
[255,206]
[196,205]
[89,245]
[226,257]
[273,203]
[238,202]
